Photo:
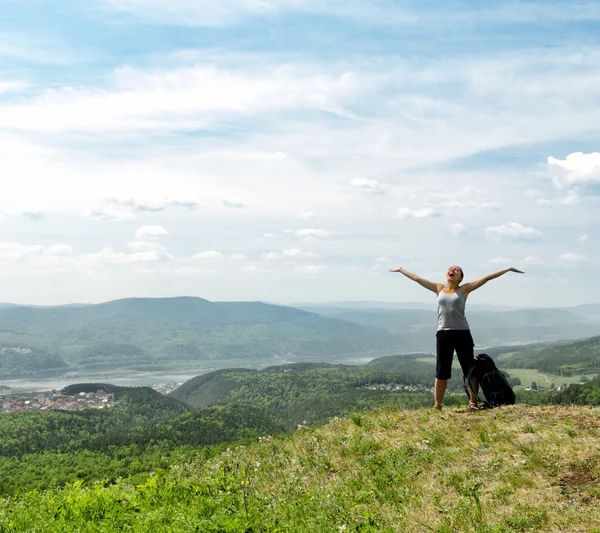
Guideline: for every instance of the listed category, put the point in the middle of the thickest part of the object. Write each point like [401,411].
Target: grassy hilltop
[512,469]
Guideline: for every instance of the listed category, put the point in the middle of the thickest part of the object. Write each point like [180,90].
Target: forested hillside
[158,333]
[146,430]
[565,359]
[310,392]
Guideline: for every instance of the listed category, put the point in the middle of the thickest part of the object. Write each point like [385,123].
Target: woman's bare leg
[439,390]
[474,387]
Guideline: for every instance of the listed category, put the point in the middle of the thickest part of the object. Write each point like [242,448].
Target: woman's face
[454,273]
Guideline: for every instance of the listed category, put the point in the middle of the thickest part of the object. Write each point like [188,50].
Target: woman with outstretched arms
[453,332]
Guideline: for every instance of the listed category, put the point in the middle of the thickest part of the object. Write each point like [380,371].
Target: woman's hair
[462,272]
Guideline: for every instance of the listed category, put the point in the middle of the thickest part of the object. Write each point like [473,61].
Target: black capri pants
[447,341]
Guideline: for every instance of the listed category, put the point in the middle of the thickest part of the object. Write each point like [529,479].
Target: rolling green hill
[146,332]
[565,359]
[309,392]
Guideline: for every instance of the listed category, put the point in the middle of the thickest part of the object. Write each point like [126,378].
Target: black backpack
[493,383]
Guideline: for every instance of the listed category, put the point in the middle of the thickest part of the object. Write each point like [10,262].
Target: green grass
[506,470]
[529,375]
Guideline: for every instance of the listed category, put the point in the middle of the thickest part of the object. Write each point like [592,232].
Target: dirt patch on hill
[581,474]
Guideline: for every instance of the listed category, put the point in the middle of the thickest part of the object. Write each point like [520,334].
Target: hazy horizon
[295,151]
[348,304]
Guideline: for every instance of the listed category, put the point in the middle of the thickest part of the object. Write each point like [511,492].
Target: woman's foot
[438,407]
[473,407]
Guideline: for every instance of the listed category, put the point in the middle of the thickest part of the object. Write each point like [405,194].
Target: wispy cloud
[144,232]
[210,255]
[571,198]
[370,186]
[514,231]
[308,234]
[425,212]
[225,12]
[457,229]
[572,259]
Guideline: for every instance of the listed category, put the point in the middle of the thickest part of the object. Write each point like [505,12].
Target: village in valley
[13,401]
[55,401]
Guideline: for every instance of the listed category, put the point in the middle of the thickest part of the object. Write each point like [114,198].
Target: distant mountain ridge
[489,327]
[166,333]
[145,332]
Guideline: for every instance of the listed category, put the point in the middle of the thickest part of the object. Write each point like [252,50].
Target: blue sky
[295,151]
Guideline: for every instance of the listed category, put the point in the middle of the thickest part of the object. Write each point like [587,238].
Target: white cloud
[109,257]
[37,259]
[571,198]
[238,257]
[60,249]
[527,260]
[110,214]
[370,186]
[296,253]
[308,234]
[145,246]
[268,235]
[582,238]
[577,168]
[143,232]
[225,12]
[572,259]
[514,231]
[150,206]
[457,229]
[427,212]
[10,251]
[468,198]
[210,255]
[307,215]
[178,99]
[384,12]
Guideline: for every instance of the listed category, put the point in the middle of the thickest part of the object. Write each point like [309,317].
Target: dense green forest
[146,430]
[564,359]
[312,391]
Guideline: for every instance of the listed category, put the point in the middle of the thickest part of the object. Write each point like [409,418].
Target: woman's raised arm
[471,286]
[430,285]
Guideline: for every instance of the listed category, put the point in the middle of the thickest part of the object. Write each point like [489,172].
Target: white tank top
[451,310]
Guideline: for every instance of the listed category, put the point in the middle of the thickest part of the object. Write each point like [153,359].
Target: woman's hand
[513,269]
[396,269]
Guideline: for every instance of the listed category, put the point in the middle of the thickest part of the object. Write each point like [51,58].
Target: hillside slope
[513,469]
[564,359]
[152,331]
